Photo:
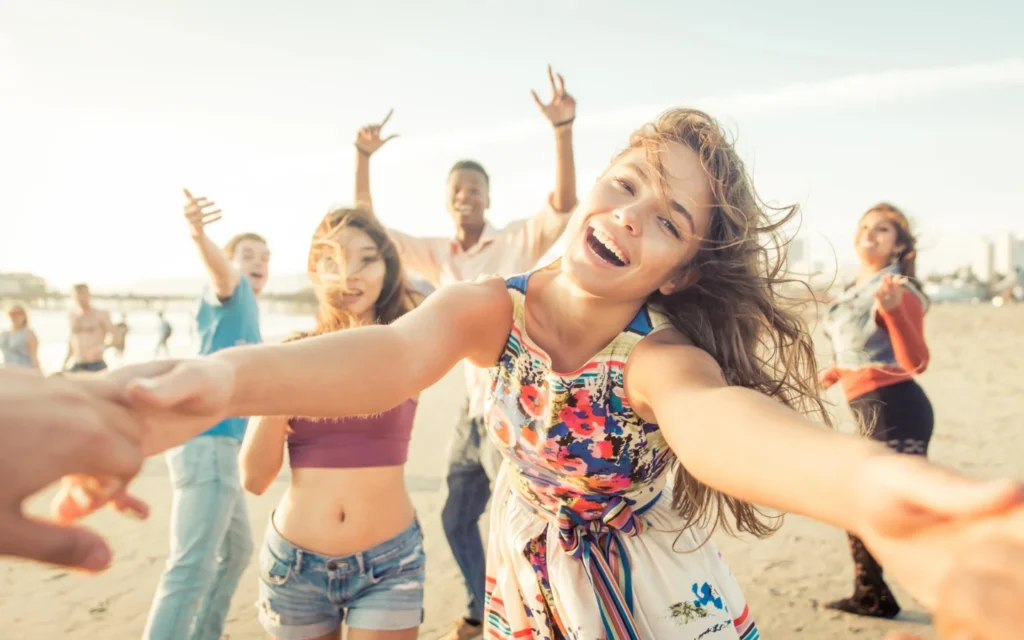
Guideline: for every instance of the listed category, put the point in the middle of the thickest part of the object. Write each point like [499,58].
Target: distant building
[1007,254]
[984,264]
[24,286]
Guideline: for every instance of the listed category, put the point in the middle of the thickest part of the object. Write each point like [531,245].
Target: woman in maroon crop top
[331,552]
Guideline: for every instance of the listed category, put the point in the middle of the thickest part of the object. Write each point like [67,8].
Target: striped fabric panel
[745,625]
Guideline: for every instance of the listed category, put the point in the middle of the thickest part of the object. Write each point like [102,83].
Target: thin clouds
[856,90]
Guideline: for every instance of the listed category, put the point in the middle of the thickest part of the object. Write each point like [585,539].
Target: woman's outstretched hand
[174,400]
[982,597]
[918,518]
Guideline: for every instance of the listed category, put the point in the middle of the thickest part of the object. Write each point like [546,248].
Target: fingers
[74,547]
[537,99]
[391,137]
[561,84]
[980,605]
[386,118]
[551,77]
[188,194]
[79,496]
[159,393]
[131,506]
[951,495]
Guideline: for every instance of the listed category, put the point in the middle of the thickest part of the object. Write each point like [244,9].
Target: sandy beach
[974,383]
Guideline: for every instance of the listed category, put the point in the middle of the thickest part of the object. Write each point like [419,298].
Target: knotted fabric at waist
[597,543]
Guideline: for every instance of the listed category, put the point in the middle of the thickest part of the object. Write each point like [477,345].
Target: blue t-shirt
[226,323]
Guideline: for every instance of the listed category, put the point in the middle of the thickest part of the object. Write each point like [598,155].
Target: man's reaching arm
[368,141]
[223,276]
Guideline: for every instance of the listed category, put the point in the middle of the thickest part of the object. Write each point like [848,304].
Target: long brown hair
[907,258]
[735,311]
[396,296]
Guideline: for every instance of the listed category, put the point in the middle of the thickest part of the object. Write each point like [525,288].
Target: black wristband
[564,122]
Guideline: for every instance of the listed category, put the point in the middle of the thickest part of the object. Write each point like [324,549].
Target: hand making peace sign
[561,111]
[368,138]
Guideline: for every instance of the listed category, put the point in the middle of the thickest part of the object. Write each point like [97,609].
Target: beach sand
[974,383]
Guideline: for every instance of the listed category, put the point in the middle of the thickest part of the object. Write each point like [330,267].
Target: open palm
[562,108]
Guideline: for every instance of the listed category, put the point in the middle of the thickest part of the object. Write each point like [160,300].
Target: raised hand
[561,111]
[918,517]
[368,138]
[199,212]
[890,292]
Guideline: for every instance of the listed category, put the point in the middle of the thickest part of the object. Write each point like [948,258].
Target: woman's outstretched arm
[351,372]
[910,513]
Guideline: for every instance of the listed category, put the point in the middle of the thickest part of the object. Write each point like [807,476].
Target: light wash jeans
[473,464]
[211,542]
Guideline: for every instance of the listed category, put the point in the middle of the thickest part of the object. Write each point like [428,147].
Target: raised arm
[368,141]
[545,227]
[561,113]
[751,447]
[262,452]
[200,212]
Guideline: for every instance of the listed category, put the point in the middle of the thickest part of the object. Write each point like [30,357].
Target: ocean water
[52,327]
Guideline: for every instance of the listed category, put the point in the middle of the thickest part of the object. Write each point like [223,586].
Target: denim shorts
[305,594]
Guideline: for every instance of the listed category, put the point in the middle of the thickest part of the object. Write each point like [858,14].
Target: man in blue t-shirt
[211,541]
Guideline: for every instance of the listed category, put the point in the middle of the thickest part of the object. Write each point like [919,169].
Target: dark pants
[900,417]
[88,366]
[473,463]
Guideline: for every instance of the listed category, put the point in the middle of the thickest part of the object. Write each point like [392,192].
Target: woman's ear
[685,279]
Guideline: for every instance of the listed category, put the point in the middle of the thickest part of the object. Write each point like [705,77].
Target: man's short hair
[471,165]
[232,245]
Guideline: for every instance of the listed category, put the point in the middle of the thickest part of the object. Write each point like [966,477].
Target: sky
[109,108]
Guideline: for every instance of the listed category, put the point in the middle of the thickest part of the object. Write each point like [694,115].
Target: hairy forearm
[363,198]
[749,446]
[222,275]
[351,372]
[564,199]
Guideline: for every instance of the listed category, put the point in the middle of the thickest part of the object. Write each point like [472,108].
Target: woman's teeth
[609,243]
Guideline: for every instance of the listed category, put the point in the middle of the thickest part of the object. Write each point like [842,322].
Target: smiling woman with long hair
[656,345]
[876,326]
[331,552]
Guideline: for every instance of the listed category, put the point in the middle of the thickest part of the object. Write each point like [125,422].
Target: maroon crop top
[379,440]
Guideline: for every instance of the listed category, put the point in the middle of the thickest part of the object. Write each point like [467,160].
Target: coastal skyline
[111,108]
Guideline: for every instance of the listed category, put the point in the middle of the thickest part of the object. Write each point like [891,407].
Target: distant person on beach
[876,326]
[164,332]
[91,334]
[211,541]
[478,249]
[19,344]
[344,543]
[655,345]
